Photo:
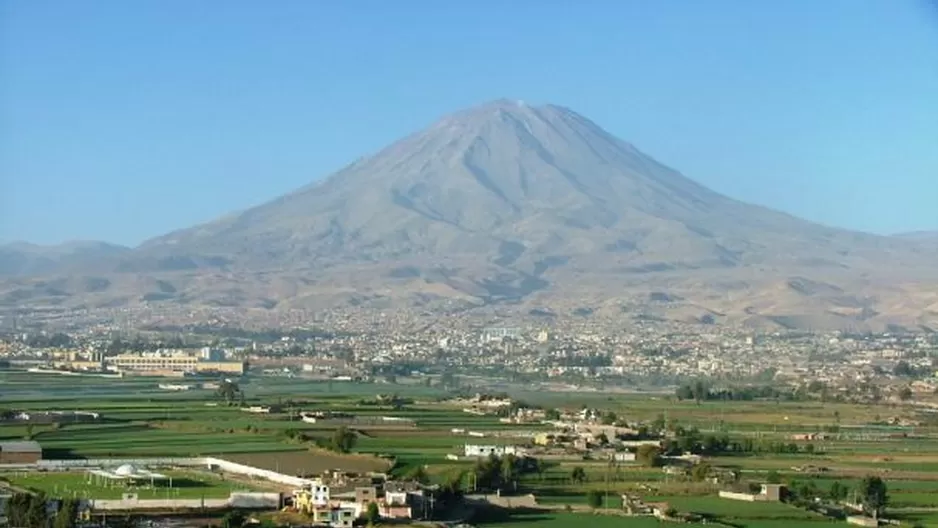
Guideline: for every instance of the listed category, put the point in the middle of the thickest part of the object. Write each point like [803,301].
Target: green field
[572,520]
[139,420]
[184,485]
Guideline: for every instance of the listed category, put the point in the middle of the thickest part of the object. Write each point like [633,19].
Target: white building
[320,493]
[482,451]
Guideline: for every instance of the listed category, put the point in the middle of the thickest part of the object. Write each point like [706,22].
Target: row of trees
[343,439]
[693,441]
[700,391]
[32,511]
[871,493]
[503,472]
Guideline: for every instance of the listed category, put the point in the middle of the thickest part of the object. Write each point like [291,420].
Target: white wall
[738,496]
[241,469]
[259,501]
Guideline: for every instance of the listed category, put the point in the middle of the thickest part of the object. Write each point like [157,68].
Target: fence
[59,465]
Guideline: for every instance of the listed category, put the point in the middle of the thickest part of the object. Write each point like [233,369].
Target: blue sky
[123,120]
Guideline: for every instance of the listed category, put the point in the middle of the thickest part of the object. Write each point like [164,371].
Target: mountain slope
[539,207]
[507,172]
[23,258]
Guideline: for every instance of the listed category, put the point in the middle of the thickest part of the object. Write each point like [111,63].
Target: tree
[552,414]
[509,469]
[905,394]
[233,519]
[228,391]
[36,514]
[452,488]
[903,369]
[838,492]
[578,475]
[16,509]
[419,474]
[700,472]
[649,455]
[609,418]
[684,392]
[773,477]
[540,467]
[67,514]
[700,391]
[873,495]
[594,498]
[343,440]
[659,424]
[804,491]
[372,514]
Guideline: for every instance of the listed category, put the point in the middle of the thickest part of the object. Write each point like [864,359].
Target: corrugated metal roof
[26,446]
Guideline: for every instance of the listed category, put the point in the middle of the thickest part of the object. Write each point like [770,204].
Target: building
[320,493]
[27,452]
[366,495]
[212,354]
[176,362]
[772,492]
[768,493]
[482,451]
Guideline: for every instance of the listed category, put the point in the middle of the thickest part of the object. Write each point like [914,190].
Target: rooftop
[25,446]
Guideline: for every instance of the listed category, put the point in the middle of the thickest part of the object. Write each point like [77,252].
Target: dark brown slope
[539,206]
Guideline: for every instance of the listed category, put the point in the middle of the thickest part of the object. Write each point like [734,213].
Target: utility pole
[431,501]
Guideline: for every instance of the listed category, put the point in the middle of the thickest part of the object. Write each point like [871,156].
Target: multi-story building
[175,362]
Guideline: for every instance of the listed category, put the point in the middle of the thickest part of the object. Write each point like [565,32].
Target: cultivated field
[142,421]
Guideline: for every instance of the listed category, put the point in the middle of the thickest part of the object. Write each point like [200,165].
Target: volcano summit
[533,209]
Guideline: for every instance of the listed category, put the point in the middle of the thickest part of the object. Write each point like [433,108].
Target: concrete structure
[748,497]
[772,492]
[769,493]
[26,452]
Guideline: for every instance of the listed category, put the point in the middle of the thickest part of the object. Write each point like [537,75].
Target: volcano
[538,209]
